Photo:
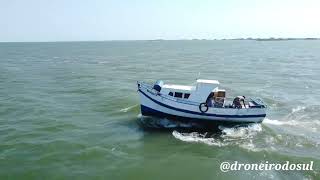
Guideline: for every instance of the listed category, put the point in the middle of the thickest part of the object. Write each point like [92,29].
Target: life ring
[203,107]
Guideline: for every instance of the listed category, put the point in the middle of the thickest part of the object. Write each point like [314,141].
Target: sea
[70,110]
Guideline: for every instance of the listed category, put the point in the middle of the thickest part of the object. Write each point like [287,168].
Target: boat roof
[178,87]
[207,81]
[189,88]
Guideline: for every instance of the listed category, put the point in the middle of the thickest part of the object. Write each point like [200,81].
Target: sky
[98,20]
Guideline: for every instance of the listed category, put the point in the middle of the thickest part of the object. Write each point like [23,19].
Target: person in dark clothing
[209,100]
[238,100]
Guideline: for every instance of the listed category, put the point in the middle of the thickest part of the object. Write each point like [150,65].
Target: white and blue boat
[203,102]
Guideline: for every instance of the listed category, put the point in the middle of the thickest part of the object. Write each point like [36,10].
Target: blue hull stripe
[202,114]
[146,111]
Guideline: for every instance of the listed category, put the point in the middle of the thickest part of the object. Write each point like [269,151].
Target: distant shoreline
[275,39]
[224,39]
[263,39]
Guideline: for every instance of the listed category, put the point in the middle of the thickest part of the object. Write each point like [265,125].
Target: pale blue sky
[76,20]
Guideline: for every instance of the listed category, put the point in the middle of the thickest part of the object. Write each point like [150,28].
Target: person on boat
[244,104]
[218,101]
[238,100]
[210,99]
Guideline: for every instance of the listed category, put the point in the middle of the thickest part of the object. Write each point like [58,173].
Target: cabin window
[178,94]
[186,95]
[170,94]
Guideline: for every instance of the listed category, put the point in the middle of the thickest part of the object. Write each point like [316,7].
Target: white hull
[154,104]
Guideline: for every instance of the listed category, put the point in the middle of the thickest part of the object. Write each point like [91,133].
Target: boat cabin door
[219,97]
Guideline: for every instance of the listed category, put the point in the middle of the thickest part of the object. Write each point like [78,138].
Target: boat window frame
[180,93]
[186,95]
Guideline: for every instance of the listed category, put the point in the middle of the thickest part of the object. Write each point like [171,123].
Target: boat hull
[185,122]
[153,104]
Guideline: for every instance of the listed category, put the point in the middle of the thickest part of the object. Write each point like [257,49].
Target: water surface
[70,109]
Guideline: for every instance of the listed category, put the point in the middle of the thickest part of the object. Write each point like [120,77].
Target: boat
[205,102]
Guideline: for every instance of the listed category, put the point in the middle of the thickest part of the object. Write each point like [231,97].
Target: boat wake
[279,122]
[297,131]
[198,138]
[299,108]
[128,108]
[240,132]
[300,117]
[241,136]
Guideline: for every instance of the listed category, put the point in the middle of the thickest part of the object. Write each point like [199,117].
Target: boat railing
[258,101]
[145,85]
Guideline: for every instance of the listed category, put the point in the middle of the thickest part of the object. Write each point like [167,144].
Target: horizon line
[160,39]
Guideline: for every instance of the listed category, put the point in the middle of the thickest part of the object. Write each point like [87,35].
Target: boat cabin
[204,91]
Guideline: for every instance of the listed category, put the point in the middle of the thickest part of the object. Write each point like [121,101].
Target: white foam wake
[197,138]
[128,108]
[240,132]
[299,108]
[241,136]
[299,116]
[279,123]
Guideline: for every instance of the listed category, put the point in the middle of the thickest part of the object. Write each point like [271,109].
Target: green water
[71,110]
